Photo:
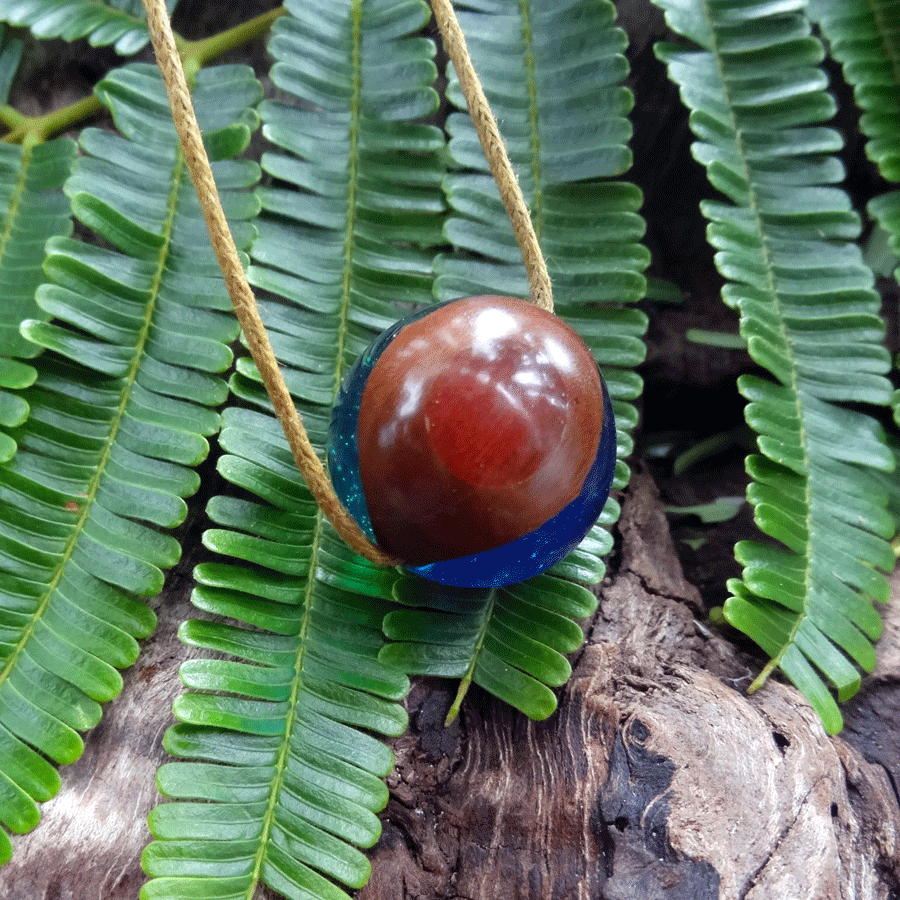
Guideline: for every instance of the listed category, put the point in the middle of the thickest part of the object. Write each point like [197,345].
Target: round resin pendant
[474,441]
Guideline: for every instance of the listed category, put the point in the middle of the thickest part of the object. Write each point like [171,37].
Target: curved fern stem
[37,129]
[495,150]
[199,53]
[242,298]
[466,681]
[194,54]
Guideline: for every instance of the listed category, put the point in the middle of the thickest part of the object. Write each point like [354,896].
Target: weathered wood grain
[658,779]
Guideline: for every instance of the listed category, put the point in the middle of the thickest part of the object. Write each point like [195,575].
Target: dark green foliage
[810,316]
[118,412]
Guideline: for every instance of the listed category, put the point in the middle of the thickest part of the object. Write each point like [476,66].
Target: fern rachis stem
[197,54]
[466,681]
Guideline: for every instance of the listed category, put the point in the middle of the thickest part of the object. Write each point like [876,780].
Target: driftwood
[658,778]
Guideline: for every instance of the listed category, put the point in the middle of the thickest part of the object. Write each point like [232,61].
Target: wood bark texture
[657,779]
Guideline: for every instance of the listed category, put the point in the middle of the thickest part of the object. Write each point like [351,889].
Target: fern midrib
[794,380]
[318,530]
[466,681]
[284,749]
[15,202]
[86,500]
[537,200]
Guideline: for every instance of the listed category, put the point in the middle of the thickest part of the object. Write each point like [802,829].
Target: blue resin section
[516,561]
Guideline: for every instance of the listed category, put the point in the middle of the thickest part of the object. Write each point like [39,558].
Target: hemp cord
[495,150]
[239,290]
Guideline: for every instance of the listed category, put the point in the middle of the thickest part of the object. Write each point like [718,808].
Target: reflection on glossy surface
[477,424]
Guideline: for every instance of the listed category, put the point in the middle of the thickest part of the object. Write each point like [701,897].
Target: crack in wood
[754,876]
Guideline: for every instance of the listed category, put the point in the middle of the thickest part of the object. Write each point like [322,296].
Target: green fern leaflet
[864,37]
[121,23]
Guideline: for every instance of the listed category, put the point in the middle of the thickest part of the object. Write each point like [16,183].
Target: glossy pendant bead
[475,441]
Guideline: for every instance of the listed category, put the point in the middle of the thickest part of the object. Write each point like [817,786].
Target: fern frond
[118,414]
[511,641]
[279,775]
[32,209]
[810,316]
[552,73]
[121,23]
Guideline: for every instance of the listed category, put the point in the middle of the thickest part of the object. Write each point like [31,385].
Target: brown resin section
[478,423]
